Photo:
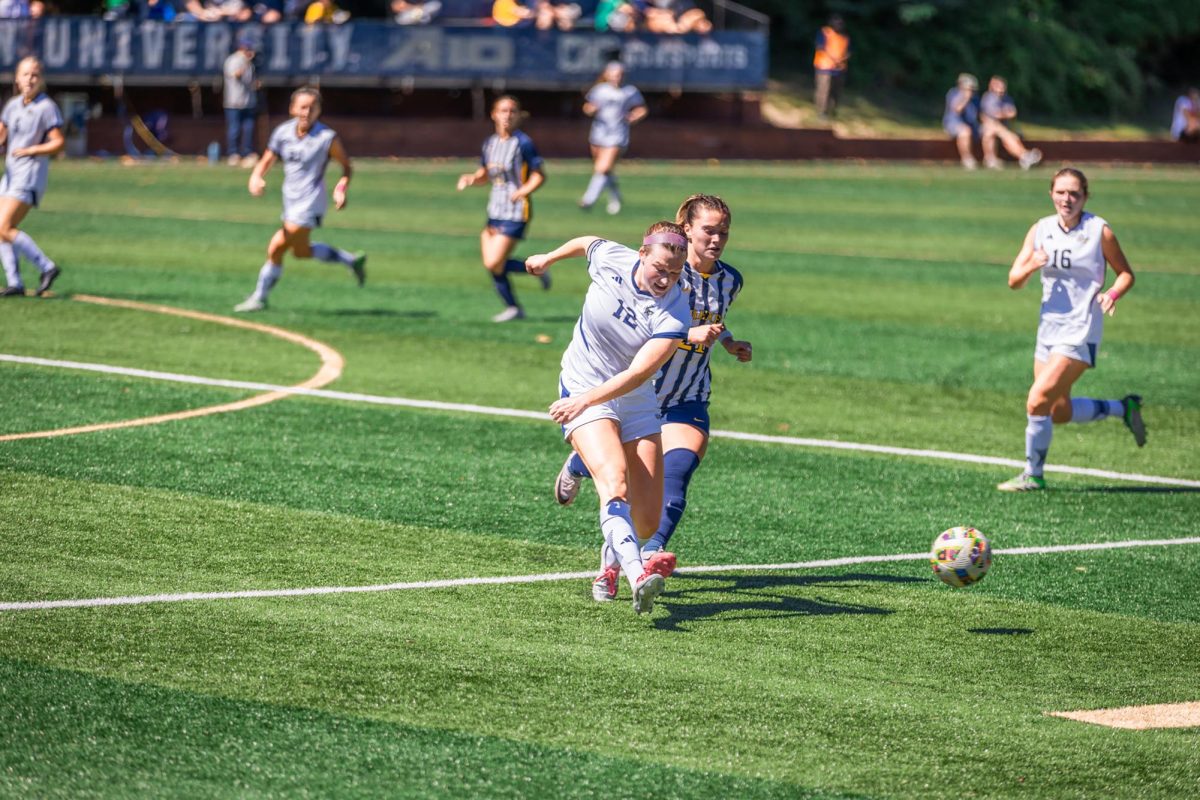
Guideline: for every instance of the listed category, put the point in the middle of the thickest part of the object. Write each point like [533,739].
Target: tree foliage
[1099,57]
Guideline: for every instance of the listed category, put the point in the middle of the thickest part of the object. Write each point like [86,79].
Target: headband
[665,237]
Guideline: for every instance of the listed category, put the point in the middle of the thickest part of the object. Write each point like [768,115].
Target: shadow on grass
[1130,490]
[1001,631]
[763,598]
[374,312]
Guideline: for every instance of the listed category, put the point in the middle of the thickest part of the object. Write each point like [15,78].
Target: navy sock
[577,467]
[514,265]
[504,289]
[678,467]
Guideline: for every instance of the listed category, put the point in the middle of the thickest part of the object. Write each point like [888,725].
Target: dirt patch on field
[1139,718]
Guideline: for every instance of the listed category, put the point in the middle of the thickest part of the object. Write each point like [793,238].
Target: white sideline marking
[133,600]
[471,408]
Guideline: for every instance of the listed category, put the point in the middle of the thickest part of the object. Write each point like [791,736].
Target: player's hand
[537,264]
[743,351]
[705,334]
[257,185]
[465,180]
[1107,304]
[566,409]
[339,194]
[1040,258]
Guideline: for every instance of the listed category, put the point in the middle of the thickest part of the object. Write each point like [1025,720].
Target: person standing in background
[241,104]
[829,65]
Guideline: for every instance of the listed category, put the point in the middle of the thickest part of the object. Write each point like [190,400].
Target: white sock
[8,257]
[608,558]
[324,252]
[619,535]
[27,247]
[594,188]
[1038,433]
[613,191]
[268,276]
[1085,409]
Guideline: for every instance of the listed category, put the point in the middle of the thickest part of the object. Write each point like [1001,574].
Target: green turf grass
[877,304]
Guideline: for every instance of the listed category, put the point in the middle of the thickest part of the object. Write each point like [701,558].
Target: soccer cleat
[1031,158]
[1023,483]
[48,278]
[661,562]
[566,485]
[613,207]
[1132,417]
[993,163]
[509,314]
[648,587]
[585,206]
[251,303]
[13,291]
[604,588]
[359,267]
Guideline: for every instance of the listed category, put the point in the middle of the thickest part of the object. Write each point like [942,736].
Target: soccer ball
[960,556]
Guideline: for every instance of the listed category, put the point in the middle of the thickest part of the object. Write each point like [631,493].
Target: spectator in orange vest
[829,64]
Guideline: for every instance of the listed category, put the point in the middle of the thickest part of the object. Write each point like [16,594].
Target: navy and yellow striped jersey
[509,162]
[686,377]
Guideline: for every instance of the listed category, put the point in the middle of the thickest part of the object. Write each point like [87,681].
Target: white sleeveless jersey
[1070,280]
[304,160]
[686,377]
[618,318]
[28,125]
[610,123]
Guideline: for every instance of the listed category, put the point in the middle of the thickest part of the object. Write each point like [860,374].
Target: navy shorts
[694,413]
[513,230]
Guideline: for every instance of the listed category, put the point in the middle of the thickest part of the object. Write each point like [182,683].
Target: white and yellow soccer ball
[960,556]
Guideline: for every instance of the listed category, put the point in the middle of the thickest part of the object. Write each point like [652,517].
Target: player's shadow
[1001,631]
[759,599]
[376,312]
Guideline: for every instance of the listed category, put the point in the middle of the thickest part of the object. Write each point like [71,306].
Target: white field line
[133,600]
[470,408]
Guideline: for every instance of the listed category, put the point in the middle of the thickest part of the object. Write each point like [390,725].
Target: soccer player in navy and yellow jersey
[511,164]
[305,146]
[31,125]
[683,385]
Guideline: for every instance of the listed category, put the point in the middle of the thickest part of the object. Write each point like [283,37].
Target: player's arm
[338,153]
[574,248]
[535,180]
[3,134]
[53,145]
[740,349]
[1027,262]
[258,176]
[646,363]
[1115,257]
[472,178]
[637,114]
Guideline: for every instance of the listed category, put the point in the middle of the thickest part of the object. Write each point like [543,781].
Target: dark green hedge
[1098,58]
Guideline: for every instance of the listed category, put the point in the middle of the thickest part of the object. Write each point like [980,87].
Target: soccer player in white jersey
[633,318]
[305,146]
[1070,248]
[511,164]
[684,383]
[613,107]
[31,125]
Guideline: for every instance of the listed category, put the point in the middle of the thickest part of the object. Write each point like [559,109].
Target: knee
[1038,404]
[610,482]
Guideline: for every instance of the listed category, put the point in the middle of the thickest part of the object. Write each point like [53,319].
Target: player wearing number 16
[1070,249]
[633,318]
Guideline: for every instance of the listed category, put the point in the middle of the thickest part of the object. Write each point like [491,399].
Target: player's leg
[272,269]
[355,262]
[601,440]
[683,449]
[603,160]
[14,286]
[645,467]
[496,247]
[12,213]
[1049,401]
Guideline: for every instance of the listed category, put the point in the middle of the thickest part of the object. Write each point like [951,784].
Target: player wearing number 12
[1070,249]
[633,318]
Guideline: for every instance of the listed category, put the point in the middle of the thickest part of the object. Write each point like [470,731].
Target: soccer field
[380,596]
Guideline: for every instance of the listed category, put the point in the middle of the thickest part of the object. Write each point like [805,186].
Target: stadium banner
[366,53]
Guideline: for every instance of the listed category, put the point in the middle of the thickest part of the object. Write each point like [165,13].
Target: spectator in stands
[676,16]
[406,13]
[829,66]
[961,117]
[996,108]
[22,9]
[325,12]
[116,9]
[216,11]
[1185,122]
[513,13]
[619,16]
[162,10]
[241,104]
[268,12]
[559,14]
